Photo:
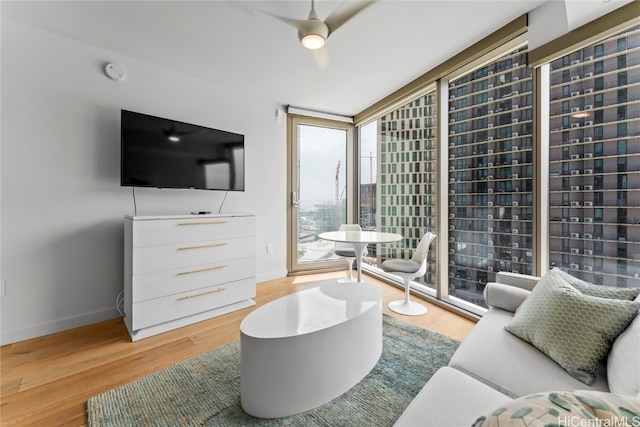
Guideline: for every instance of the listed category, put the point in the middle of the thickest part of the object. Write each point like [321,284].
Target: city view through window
[594,157]
[594,164]
[490,174]
[321,189]
[400,195]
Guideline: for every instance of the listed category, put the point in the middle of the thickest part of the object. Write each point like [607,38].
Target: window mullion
[541,170]
[442,241]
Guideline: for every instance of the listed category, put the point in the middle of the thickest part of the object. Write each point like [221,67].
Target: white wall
[62,204]
[558,17]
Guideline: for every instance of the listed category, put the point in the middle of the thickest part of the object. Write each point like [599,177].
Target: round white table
[360,240]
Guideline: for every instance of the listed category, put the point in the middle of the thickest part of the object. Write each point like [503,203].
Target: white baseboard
[271,275]
[41,329]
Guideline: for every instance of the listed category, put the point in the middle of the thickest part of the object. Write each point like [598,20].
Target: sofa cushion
[579,408]
[511,365]
[574,329]
[597,290]
[505,297]
[518,280]
[450,398]
[623,363]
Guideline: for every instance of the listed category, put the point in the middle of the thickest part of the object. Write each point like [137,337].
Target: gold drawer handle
[218,267]
[202,294]
[214,245]
[204,223]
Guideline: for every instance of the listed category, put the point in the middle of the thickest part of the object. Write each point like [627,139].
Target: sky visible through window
[368,148]
[320,151]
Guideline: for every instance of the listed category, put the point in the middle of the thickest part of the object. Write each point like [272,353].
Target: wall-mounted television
[164,153]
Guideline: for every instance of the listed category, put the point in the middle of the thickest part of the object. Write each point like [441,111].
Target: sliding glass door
[320,169]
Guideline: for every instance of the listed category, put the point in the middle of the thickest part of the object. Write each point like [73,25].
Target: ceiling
[234,45]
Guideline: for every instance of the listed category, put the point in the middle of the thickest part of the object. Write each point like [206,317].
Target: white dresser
[183,269]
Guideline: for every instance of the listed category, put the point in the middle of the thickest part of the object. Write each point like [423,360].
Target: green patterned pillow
[566,408]
[598,290]
[573,329]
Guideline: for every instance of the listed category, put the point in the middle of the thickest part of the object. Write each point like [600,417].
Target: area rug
[205,390]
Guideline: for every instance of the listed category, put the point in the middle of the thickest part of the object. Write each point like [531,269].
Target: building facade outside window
[485,221]
[490,175]
[604,163]
[398,161]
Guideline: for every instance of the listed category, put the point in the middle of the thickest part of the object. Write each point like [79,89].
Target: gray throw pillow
[573,329]
[598,290]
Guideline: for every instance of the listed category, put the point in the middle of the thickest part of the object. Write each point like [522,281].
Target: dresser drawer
[152,259]
[161,310]
[188,230]
[171,282]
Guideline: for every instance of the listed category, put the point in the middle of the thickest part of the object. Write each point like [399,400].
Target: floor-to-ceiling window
[468,155]
[424,164]
[594,159]
[489,174]
[398,170]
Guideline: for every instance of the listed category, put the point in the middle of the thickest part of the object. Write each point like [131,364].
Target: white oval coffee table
[305,349]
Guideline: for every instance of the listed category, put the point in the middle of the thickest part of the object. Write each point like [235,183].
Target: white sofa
[492,367]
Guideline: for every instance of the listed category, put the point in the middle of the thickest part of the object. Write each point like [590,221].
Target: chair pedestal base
[407,308]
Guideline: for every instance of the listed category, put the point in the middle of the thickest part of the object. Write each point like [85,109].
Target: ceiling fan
[313,32]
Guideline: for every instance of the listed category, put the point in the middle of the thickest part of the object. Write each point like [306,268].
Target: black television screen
[163,153]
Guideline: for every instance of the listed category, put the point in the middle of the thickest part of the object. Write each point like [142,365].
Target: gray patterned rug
[205,390]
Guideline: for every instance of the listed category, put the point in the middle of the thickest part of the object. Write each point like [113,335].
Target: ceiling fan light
[313,41]
[173,137]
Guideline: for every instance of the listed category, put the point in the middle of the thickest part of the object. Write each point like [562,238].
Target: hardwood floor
[47,381]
